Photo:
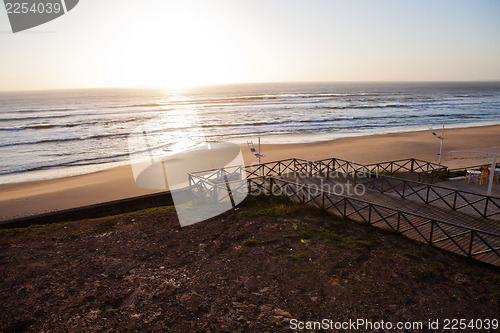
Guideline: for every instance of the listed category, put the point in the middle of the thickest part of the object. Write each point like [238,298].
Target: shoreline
[276,139]
[317,138]
[37,197]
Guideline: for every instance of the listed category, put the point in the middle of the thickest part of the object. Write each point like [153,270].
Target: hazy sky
[106,43]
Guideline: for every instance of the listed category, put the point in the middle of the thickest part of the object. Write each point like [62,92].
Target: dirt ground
[255,268]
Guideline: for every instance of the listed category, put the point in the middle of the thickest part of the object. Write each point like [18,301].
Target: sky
[163,43]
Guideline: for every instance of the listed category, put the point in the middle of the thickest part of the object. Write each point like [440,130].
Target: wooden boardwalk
[459,221]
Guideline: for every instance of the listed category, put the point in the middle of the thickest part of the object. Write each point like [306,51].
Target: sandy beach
[24,199]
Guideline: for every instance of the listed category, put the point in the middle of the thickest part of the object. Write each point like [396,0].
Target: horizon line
[198,86]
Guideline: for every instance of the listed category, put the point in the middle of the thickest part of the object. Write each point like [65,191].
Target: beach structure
[398,195]
[254,150]
[405,196]
[441,139]
[492,172]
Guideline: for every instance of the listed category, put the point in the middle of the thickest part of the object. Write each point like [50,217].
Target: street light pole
[441,145]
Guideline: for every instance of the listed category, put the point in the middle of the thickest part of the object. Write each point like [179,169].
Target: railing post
[486,207]
[412,165]
[427,195]
[471,243]
[328,171]
[432,232]
[270,189]
[345,207]
[370,214]
[455,201]
[399,220]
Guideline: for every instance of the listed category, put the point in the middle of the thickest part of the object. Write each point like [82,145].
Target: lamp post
[255,152]
[440,144]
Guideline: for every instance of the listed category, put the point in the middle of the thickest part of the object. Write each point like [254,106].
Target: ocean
[51,134]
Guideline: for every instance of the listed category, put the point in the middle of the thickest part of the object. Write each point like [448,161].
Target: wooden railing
[458,200]
[424,170]
[374,176]
[218,185]
[482,245]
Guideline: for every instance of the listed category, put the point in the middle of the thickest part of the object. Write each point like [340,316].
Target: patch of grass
[386,231]
[18,230]
[412,254]
[493,279]
[105,226]
[458,173]
[273,241]
[250,242]
[244,230]
[102,222]
[421,272]
[281,250]
[307,234]
[349,246]
[298,256]
[278,206]
[330,236]
[263,201]
[416,254]
[334,223]
[366,243]
[291,236]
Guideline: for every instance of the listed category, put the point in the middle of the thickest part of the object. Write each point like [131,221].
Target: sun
[183,48]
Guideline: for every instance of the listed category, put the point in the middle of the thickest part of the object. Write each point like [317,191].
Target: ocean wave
[47,141]
[34,118]
[44,110]
[227,100]
[136,106]
[77,162]
[38,127]
[106,122]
